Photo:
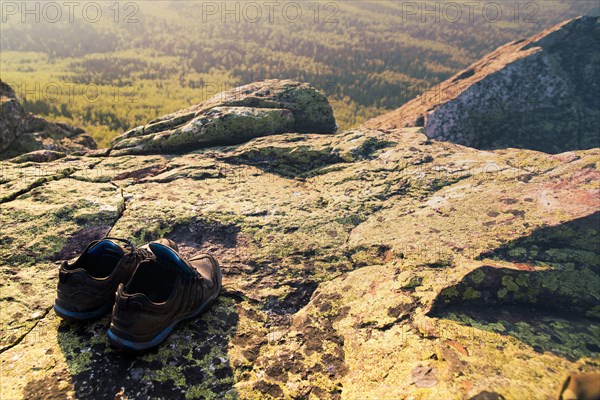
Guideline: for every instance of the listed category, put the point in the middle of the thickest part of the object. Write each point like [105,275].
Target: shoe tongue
[170,259]
[105,246]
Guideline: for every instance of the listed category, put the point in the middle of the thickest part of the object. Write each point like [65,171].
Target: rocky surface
[233,117]
[542,93]
[21,132]
[365,264]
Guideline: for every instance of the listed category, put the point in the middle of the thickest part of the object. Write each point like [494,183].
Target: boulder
[21,132]
[13,118]
[259,109]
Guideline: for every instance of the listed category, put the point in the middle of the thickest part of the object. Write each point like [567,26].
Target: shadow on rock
[549,301]
[203,235]
[192,363]
[573,244]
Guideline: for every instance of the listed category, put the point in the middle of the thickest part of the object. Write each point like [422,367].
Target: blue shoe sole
[81,316]
[158,339]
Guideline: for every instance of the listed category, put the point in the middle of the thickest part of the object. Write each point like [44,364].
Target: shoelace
[127,242]
[147,253]
[141,253]
[144,253]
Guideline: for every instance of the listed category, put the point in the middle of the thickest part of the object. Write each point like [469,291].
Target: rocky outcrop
[236,116]
[13,117]
[542,93]
[21,132]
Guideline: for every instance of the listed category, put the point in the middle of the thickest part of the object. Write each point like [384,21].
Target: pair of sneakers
[155,289]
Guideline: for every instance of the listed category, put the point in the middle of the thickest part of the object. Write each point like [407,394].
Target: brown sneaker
[162,292]
[86,287]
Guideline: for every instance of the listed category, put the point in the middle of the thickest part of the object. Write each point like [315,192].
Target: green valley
[108,66]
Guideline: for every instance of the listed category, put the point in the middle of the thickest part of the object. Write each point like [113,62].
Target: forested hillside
[133,61]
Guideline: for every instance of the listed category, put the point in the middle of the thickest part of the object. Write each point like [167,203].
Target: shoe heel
[81,316]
